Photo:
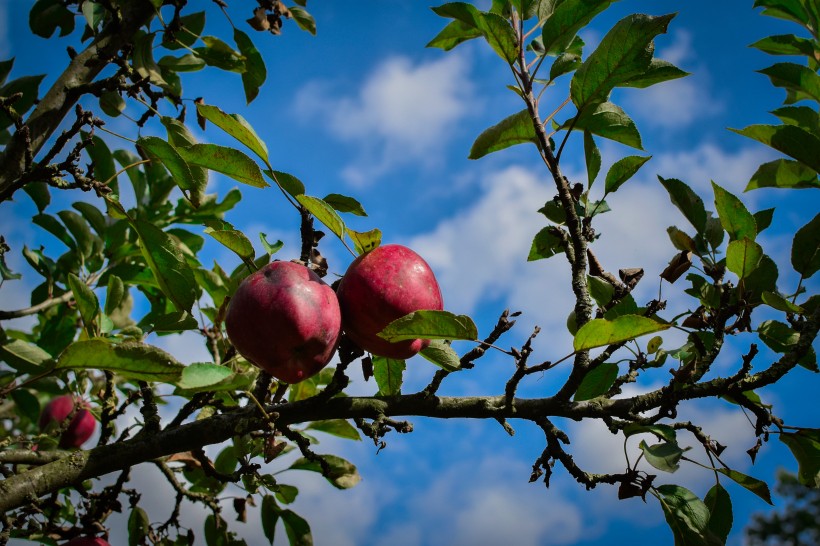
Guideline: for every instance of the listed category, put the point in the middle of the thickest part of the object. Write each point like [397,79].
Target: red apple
[80,428]
[381,286]
[285,319]
[87,541]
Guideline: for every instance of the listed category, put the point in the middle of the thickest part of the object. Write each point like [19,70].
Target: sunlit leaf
[440,353]
[389,375]
[743,256]
[597,382]
[324,213]
[236,126]
[607,120]
[343,474]
[734,216]
[758,487]
[228,161]
[622,170]
[130,359]
[203,374]
[566,20]
[336,427]
[793,141]
[663,456]
[515,129]
[600,332]
[430,324]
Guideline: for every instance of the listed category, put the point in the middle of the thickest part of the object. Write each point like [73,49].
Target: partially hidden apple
[87,541]
[285,319]
[80,428]
[381,286]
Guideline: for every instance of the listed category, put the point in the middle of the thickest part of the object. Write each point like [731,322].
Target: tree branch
[62,96]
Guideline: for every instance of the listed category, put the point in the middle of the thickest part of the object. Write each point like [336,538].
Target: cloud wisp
[403,113]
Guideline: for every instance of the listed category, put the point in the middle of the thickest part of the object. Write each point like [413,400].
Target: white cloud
[486,502]
[403,113]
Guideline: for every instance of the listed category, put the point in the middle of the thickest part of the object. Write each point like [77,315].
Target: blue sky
[364,109]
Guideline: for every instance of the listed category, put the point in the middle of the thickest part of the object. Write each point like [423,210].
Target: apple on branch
[381,286]
[285,319]
[82,423]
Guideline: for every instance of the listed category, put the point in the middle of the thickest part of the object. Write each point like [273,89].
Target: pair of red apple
[82,423]
[287,321]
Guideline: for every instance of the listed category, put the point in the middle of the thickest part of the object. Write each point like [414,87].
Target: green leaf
[286,493]
[389,374]
[219,54]
[112,103]
[659,71]
[304,19]
[27,404]
[624,54]
[87,302]
[324,213]
[455,33]
[191,27]
[734,216]
[233,239]
[287,182]
[343,474]
[805,446]
[236,126]
[597,382]
[515,129]
[664,432]
[255,72]
[763,218]
[39,193]
[806,248]
[758,487]
[336,427]
[297,528]
[781,338]
[114,294]
[186,63]
[785,44]
[198,375]
[600,290]
[607,120]
[79,230]
[687,202]
[270,516]
[686,514]
[545,244]
[430,324]
[800,79]
[719,503]
[94,14]
[270,249]
[46,15]
[499,35]
[25,357]
[795,142]
[29,86]
[228,161]
[663,456]
[365,241]
[440,353]
[162,151]
[130,359]
[343,203]
[592,158]
[93,216]
[601,332]
[776,301]
[622,170]
[566,20]
[138,526]
[743,256]
[143,61]
[168,264]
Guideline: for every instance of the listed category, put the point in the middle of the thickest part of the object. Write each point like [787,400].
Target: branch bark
[62,96]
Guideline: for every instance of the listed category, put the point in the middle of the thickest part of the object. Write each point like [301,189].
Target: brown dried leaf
[679,265]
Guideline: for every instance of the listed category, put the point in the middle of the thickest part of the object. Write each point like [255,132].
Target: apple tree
[141,233]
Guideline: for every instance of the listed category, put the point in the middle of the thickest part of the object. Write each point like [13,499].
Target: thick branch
[61,98]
